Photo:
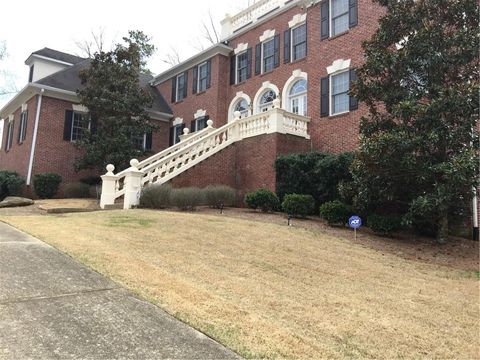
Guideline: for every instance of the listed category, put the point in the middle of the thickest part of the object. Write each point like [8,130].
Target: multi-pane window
[266,100]
[181,84]
[299,42]
[242,67]
[23,127]
[298,97]
[340,86]
[339,16]
[139,142]
[177,132]
[202,77]
[268,56]
[201,123]
[242,107]
[80,124]
[9,139]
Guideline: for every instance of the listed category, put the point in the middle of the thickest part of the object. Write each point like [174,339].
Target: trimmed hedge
[187,198]
[298,205]
[384,225]
[77,191]
[336,212]
[46,185]
[11,184]
[156,196]
[217,195]
[262,199]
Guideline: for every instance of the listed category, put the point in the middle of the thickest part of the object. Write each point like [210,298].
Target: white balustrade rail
[173,161]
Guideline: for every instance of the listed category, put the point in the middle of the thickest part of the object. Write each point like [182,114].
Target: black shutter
[67,129]
[185,85]
[233,61]
[25,125]
[193,126]
[286,46]
[324,98]
[174,89]
[325,23]
[249,63]
[353,13]
[195,80]
[209,74]
[148,141]
[20,129]
[276,51]
[172,134]
[353,100]
[93,124]
[258,59]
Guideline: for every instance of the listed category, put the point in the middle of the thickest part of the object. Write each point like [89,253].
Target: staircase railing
[173,161]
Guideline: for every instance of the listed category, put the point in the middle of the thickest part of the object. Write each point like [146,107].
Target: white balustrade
[199,146]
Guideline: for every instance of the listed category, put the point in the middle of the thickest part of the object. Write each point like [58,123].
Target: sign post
[355,222]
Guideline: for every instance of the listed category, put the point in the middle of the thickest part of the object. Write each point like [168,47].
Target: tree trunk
[442,234]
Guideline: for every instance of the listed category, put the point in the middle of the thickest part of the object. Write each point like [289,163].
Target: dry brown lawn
[271,291]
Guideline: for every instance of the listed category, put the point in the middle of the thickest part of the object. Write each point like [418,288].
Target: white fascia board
[161,116]
[191,62]
[30,59]
[16,102]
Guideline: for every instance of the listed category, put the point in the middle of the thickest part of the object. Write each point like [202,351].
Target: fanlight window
[242,106]
[298,98]
[266,101]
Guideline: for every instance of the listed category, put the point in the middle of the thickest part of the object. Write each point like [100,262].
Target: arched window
[297,97]
[266,100]
[242,106]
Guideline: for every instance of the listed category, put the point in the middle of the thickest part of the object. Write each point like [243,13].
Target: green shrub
[77,191]
[263,199]
[219,194]
[336,212]
[317,174]
[156,196]
[46,185]
[384,225]
[11,184]
[298,205]
[187,198]
[91,180]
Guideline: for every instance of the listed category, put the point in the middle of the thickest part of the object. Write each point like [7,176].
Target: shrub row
[164,196]
[11,184]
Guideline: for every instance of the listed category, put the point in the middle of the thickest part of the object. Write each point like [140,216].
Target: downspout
[475,215]
[34,140]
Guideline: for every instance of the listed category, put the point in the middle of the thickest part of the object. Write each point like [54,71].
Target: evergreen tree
[419,143]
[117,104]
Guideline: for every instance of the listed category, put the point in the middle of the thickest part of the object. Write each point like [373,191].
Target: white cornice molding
[338,65]
[241,48]
[24,107]
[79,108]
[200,113]
[297,20]
[267,35]
[177,121]
[10,118]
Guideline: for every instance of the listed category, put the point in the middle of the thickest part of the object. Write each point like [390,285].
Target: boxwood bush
[262,199]
[46,185]
[11,184]
[77,191]
[187,198]
[156,196]
[384,224]
[336,212]
[219,194]
[298,205]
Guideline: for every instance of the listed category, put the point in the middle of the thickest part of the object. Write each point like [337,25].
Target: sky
[32,25]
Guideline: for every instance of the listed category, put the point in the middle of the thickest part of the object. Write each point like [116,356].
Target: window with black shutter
[268,55]
[258,59]
[22,129]
[233,66]
[299,42]
[324,97]
[179,90]
[286,46]
[242,67]
[338,16]
[202,77]
[9,142]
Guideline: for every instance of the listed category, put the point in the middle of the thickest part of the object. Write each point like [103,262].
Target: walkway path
[53,307]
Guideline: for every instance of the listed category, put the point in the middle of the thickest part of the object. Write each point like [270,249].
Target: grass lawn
[272,291]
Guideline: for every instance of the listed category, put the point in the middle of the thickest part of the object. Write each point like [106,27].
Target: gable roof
[68,79]
[58,55]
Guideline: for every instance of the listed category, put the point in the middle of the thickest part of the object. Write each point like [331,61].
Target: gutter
[34,140]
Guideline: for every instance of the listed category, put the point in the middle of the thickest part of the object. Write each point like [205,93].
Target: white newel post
[236,127]
[133,185]
[108,187]
[276,118]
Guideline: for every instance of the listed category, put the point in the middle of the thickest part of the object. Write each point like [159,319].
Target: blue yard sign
[355,223]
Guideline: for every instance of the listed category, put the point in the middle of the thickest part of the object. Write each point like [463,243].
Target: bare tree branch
[171,58]
[96,43]
[7,78]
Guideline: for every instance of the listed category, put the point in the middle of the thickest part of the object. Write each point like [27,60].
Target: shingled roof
[59,55]
[68,79]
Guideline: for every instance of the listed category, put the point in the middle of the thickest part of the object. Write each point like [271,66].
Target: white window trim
[198,77]
[291,41]
[297,74]
[267,35]
[241,48]
[236,65]
[177,121]
[200,113]
[330,21]
[73,117]
[239,96]
[23,118]
[297,20]
[263,60]
[330,94]
[267,85]
[177,87]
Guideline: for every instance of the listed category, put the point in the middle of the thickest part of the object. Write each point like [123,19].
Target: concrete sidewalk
[51,307]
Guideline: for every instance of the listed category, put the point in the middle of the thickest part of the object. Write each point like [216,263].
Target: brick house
[278,81]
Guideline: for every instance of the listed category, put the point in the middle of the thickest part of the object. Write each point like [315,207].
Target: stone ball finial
[110,169]
[186,131]
[134,163]
[276,103]
[237,115]
[210,123]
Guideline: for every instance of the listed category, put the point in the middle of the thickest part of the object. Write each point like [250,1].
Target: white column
[133,185]
[109,181]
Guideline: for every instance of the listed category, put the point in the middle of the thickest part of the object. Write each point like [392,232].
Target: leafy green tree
[117,104]
[419,143]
